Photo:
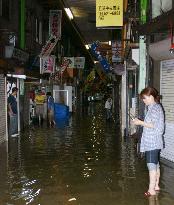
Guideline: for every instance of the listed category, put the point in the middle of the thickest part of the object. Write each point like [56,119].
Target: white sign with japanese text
[48,64]
[55,19]
[79,62]
[70,60]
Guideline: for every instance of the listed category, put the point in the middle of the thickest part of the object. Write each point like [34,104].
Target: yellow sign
[109,13]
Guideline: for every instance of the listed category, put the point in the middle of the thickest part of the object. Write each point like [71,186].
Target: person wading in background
[108,107]
[50,109]
[13,113]
[39,100]
[152,136]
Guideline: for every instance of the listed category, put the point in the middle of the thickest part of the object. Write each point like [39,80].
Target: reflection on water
[83,162]
[153,200]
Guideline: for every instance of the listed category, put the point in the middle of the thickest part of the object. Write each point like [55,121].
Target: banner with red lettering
[49,46]
[48,64]
[55,20]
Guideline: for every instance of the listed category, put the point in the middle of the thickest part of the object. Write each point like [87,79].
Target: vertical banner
[55,19]
[116,51]
[143,11]
[49,46]
[109,13]
[142,70]
[48,64]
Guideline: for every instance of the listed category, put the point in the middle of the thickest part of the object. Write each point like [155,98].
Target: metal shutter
[167,92]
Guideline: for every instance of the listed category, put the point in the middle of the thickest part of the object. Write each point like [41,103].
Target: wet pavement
[84,161]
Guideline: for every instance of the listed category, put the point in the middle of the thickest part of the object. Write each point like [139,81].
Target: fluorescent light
[17,76]
[69,13]
[87,46]
[109,42]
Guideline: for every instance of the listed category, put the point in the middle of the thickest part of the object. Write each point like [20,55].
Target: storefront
[3,110]
[11,82]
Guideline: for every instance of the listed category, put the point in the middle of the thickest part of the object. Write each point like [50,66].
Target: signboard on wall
[55,19]
[109,13]
[20,55]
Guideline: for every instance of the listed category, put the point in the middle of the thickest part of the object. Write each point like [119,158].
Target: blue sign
[100,58]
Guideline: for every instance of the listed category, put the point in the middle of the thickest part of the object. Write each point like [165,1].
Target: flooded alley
[83,161]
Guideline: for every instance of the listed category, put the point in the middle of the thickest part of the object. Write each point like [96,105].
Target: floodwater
[84,161]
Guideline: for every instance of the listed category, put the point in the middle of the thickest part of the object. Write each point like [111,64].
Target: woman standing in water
[152,137]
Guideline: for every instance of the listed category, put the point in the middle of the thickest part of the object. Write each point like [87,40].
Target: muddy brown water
[83,161]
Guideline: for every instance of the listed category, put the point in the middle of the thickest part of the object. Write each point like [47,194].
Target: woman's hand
[136,121]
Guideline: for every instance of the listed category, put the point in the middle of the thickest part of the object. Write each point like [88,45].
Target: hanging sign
[79,62]
[116,51]
[95,50]
[65,64]
[55,19]
[70,61]
[109,13]
[50,44]
[48,64]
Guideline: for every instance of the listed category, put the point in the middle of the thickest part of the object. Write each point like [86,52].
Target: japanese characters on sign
[50,44]
[75,62]
[48,64]
[55,23]
[109,13]
[116,51]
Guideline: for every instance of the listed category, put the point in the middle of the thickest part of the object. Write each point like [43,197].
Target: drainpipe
[22,24]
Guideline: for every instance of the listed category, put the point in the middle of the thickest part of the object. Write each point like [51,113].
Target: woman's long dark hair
[150,91]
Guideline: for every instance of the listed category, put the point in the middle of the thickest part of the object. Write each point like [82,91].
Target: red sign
[50,44]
